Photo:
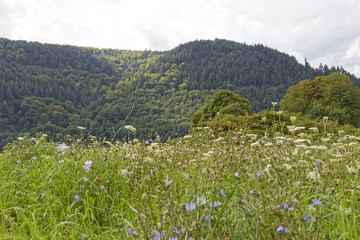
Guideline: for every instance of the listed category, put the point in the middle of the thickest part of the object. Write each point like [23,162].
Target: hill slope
[54,89]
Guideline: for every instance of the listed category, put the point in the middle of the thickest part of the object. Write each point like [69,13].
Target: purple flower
[288,208]
[318,202]
[77,198]
[222,193]
[282,229]
[215,204]
[258,174]
[190,206]
[168,184]
[201,201]
[155,235]
[318,164]
[102,187]
[87,165]
[173,238]
[234,138]
[206,218]
[306,218]
[132,232]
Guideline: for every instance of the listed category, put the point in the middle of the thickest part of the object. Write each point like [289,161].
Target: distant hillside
[54,89]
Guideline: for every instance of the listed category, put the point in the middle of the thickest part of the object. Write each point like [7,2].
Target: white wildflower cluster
[351,169]
[314,176]
[148,159]
[130,128]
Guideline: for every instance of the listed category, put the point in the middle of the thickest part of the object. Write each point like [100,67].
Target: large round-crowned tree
[334,95]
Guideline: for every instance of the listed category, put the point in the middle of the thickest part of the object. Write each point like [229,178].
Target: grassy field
[234,185]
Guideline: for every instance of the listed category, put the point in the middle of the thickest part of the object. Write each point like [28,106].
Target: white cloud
[322,30]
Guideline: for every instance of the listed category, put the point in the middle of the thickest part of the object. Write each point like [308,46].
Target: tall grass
[229,186]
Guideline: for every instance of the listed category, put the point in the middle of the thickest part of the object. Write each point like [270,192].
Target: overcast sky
[326,31]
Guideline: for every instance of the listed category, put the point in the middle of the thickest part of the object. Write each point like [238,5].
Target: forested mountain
[54,88]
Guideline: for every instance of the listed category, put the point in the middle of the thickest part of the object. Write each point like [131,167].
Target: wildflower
[77,198]
[168,184]
[236,174]
[222,193]
[318,202]
[258,174]
[201,201]
[274,103]
[173,238]
[84,236]
[87,165]
[215,204]
[34,158]
[190,206]
[206,218]
[132,232]
[102,187]
[234,138]
[306,218]
[288,208]
[318,164]
[155,235]
[81,128]
[282,229]
[325,119]
[130,128]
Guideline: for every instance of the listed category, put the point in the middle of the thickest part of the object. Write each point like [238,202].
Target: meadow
[206,185]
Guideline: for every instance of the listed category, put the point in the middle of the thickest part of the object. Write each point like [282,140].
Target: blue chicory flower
[87,165]
[155,235]
[288,208]
[132,232]
[168,184]
[215,204]
[318,202]
[190,206]
[222,193]
[282,229]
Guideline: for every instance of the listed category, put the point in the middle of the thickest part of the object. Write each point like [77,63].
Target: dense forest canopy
[334,95]
[53,88]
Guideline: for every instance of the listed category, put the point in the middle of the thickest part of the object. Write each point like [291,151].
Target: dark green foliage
[236,109]
[53,88]
[222,99]
[196,118]
[334,95]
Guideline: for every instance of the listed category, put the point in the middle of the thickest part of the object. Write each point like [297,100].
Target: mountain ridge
[55,88]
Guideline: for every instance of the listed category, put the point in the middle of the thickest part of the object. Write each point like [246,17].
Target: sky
[322,31]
